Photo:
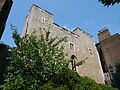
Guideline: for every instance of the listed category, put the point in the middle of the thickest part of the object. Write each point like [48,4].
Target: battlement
[73,32]
[84,32]
[103,34]
[45,15]
[103,30]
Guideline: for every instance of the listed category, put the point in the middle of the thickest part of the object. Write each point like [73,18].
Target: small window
[72,46]
[91,53]
[43,19]
[43,28]
[90,50]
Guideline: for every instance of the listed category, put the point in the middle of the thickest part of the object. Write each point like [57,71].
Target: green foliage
[87,84]
[34,61]
[109,2]
[39,64]
[15,35]
[74,82]
[105,87]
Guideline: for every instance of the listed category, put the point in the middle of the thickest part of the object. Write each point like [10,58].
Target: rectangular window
[72,46]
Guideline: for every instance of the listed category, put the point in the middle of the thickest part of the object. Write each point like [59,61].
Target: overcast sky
[89,15]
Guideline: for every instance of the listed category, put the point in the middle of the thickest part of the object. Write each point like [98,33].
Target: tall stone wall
[110,48]
[80,44]
[109,51]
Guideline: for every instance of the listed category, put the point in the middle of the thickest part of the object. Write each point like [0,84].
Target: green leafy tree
[33,61]
[109,2]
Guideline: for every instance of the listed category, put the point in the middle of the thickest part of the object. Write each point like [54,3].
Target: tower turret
[103,34]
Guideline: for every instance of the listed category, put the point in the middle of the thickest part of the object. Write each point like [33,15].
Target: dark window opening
[73,62]
[72,46]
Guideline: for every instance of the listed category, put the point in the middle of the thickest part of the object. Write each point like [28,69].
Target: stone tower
[110,46]
[109,51]
[80,45]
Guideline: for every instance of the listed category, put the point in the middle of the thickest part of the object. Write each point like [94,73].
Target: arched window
[73,62]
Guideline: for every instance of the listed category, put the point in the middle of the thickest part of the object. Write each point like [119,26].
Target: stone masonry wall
[82,43]
[111,50]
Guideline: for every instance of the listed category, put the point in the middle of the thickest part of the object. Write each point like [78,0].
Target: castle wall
[111,50]
[80,44]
